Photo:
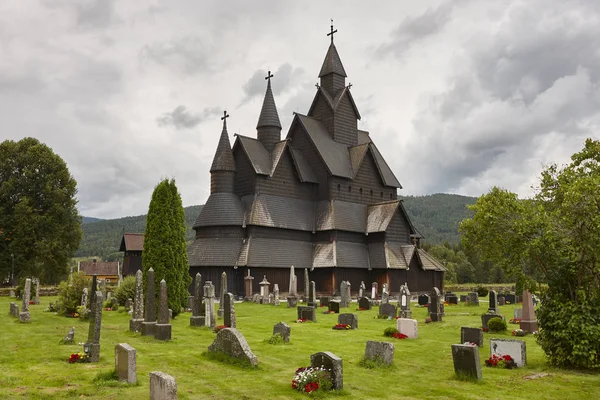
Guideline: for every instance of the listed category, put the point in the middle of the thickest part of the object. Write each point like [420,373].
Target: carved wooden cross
[332,32]
[225,115]
[269,76]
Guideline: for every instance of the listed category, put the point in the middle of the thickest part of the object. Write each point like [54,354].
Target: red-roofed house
[108,271]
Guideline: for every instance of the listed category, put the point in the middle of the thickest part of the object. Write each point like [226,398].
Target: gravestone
[510,298]
[292,298]
[24,315]
[528,320]
[312,298]
[466,361]
[348,292]
[197,318]
[404,302]
[517,349]
[150,306]
[310,313]
[473,299]
[471,335]
[36,298]
[344,301]
[162,386]
[408,327]
[334,306]
[388,309]
[93,340]
[129,306]
[231,342]
[283,330]
[485,318]
[209,304]
[501,300]
[518,313]
[103,287]
[70,337]
[493,304]
[264,290]
[162,329]
[385,296]
[380,352]
[190,303]
[247,286]
[222,294]
[361,290]
[435,309]
[12,293]
[125,363]
[137,317]
[364,303]
[374,291]
[423,300]
[275,295]
[463,298]
[348,319]
[452,299]
[108,296]
[229,311]
[330,362]
[14,309]
[324,301]
[306,286]
[256,298]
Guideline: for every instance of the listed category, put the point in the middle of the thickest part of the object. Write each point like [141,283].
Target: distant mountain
[89,220]
[435,216]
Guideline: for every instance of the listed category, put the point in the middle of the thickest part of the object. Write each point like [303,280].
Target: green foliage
[482,291]
[460,269]
[377,363]
[70,292]
[164,244]
[126,290]
[496,324]
[390,331]
[39,221]
[276,339]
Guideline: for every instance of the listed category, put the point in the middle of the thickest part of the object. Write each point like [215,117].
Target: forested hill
[436,217]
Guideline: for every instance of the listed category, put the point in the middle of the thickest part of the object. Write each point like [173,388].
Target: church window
[371,192]
[381,195]
[360,191]
[349,189]
[391,196]
[339,188]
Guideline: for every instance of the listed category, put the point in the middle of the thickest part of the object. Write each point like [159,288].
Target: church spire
[332,71]
[223,160]
[268,127]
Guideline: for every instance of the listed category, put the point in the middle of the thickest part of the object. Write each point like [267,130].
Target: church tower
[332,75]
[268,129]
[222,170]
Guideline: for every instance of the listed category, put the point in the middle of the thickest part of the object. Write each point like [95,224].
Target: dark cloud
[181,118]
[283,79]
[89,14]
[189,55]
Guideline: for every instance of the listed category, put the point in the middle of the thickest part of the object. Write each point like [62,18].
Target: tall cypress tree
[164,243]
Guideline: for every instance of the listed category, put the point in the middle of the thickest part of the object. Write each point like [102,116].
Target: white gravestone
[515,348]
[408,327]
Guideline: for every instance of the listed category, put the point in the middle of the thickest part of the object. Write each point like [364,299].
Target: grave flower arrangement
[342,327]
[515,321]
[505,361]
[485,329]
[472,344]
[301,320]
[361,309]
[79,358]
[399,335]
[312,379]
[217,328]
[518,332]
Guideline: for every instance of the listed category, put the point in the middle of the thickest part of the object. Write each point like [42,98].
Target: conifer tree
[164,243]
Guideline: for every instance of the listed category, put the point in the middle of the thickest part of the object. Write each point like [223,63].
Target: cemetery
[129,364]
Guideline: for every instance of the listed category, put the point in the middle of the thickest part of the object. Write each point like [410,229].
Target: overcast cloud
[459,96]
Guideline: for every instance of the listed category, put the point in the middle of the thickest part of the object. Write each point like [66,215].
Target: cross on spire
[269,76]
[332,31]
[224,118]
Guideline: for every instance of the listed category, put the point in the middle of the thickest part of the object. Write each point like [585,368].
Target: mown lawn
[33,364]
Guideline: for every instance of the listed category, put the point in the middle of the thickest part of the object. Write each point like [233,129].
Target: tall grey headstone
[343,294]
[361,289]
[385,295]
[312,297]
[404,302]
[137,317]
[24,315]
[93,340]
[466,361]
[209,304]
[528,320]
[292,286]
[493,304]
[197,318]
[36,298]
[435,308]
[229,311]
[381,352]
[222,294]
[84,298]
[125,363]
[348,292]
[162,386]
[276,294]
[306,286]
[331,362]
[374,290]
[162,329]
[150,306]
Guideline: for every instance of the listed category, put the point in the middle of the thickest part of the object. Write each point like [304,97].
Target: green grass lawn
[33,365]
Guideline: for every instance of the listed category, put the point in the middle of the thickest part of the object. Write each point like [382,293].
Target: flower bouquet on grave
[329,312]
[472,344]
[342,327]
[79,358]
[518,332]
[217,328]
[32,303]
[505,361]
[361,309]
[515,321]
[312,379]
[485,329]
[399,335]
[301,320]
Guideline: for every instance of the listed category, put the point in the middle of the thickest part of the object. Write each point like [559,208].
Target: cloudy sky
[459,96]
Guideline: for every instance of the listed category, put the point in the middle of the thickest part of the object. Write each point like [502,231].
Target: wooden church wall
[285,182]
[302,143]
[345,123]
[245,178]
[398,230]
[322,111]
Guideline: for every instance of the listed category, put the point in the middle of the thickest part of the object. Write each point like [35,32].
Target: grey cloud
[181,118]
[189,54]
[89,14]
[283,79]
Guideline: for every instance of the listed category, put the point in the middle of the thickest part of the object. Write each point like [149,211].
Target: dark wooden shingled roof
[333,103]
[223,160]
[279,212]
[99,268]
[380,215]
[429,263]
[221,209]
[214,252]
[305,172]
[257,153]
[268,113]
[132,242]
[332,63]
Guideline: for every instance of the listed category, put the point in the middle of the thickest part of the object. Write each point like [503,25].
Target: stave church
[323,198]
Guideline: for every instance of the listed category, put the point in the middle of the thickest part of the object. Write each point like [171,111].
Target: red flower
[399,335]
[311,387]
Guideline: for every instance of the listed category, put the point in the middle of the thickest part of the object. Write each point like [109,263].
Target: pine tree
[164,244]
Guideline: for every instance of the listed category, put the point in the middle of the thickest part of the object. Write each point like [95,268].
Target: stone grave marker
[348,292]
[162,386]
[70,337]
[306,286]
[292,299]
[150,306]
[463,298]
[374,290]
[324,301]
[312,298]
[471,335]
[24,315]
[276,295]
[264,290]
[209,305]
[493,303]
[125,363]
[473,299]
[36,298]
[381,352]
[510,298]
[517,349]
[404,302]
[229,311]
[408,327]
[12,293]
[93,340]
[248,286]
[162,329]
[365,303]
[197,318]
[385,296]
[528,320]
[452,299]
[501,300]
[222,294]
[14,309]
[137,317]
[310,313]
[84,298]
[387,309]
[283,330]
[231,342]
[485,318]
[345,301]
[423,299]
[518,313]
[435,309]
[190,303]
[108,296]
[361,290]
[331,362]
[466,360]
[348,319]
[334,306]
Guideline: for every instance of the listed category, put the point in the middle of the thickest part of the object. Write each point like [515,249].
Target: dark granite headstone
[466,360]
[485,318]
[348,319]
[471,335]
[331,362]
[463,298]
[149,306]
[423,299]
[283,330]
[162,329]
[365,303]
[324,301]
[197,318]
[493,303]
[334,306]
[387,309]
[435,308]
[310,313]
[501,300]
[381,352]
[510,298]
[453,299]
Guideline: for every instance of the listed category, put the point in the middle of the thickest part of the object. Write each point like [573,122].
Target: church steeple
[222,170]
[333,76]
[268,127]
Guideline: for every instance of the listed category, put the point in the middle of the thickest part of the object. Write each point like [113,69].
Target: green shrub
[126,290]
[70,292]
[390,331]
[482,291]
[496,324]
[276,339]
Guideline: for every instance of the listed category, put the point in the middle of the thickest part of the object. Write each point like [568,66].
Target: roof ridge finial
[224,119]
[332,31]
[269,76]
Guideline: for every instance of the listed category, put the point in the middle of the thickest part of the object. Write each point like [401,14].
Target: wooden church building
[323,199]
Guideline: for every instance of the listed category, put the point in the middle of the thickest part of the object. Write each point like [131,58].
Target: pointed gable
[332,63]
[387,176]
[257,154]
[268,112]
[223,160]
